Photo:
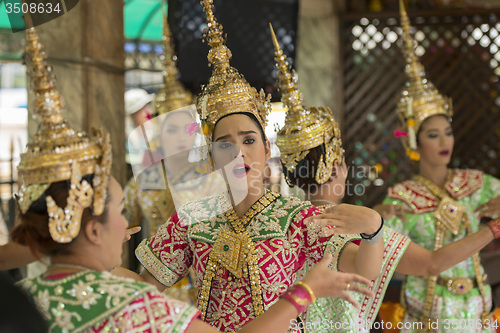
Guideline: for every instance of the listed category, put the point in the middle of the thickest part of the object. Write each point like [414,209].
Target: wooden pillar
[319,57]
[85,47]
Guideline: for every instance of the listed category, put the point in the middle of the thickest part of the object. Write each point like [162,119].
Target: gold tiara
[420,100]
[227,91]
[172,95]
[305,127]
[58,152]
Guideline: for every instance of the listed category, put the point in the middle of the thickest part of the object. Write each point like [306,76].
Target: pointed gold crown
[172,95]
[227,91]
[58,152]
[305,127]
[420,100]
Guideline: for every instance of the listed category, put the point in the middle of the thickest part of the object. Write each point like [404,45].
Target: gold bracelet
[308,289]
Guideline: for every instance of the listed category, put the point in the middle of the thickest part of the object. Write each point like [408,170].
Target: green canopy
[4,19]
[143,21]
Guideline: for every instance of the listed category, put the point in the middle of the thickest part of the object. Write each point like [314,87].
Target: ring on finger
[347,287]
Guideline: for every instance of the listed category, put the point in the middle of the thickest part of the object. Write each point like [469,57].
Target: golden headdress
[305,127]
[420,100]
[227,90]
[58,152]
[172,95]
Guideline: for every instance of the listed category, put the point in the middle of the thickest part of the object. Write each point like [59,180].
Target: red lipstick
[241,170]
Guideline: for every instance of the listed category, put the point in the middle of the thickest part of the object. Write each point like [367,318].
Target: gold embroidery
[443,223]
[450,213]
[420,199]
[154,265]
[228,251]
[248,254]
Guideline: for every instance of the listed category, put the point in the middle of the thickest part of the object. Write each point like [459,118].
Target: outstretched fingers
[347,297]
[129,232]
[355,282]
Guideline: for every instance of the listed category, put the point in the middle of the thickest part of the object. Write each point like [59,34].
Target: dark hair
[421,125]
[162,127]
[33,227]
[251,116]
[305,170]
[15,307]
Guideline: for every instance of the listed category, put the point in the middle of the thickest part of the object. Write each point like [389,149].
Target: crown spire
[227,91]
[48,101]
[58,152]
[305,127]
[420,100]
[219,54]
[290,94]
[172,95]
[414,69]
[169,57]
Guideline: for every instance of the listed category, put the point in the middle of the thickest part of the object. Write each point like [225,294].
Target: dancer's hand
[347,219]
[328,283]
[489,209]
[129,232]
[389,210]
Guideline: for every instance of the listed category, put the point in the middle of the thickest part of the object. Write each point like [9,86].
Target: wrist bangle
[494,225]
[308,289]
[374,240]
[368,237]
[299,297]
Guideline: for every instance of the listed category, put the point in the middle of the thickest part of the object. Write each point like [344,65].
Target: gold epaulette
[463,183]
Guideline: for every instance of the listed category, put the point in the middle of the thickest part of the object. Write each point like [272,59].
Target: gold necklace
[56,266]
[236,252]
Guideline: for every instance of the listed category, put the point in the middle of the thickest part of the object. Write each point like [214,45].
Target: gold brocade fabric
[150,208]
[149,202]
[471,189]
[281,238]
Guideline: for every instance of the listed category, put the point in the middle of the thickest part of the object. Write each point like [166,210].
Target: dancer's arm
[324,283]
[419,261]
[14,255]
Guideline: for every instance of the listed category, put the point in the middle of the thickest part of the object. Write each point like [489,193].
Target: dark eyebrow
[239,133]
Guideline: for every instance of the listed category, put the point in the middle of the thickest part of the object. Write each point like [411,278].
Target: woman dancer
[247,248]
[148,200]
[71,210]
[312,158]
[440,206]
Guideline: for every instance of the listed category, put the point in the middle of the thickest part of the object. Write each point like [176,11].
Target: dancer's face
[435,141]
[239,150]
[115,226]
[174,134]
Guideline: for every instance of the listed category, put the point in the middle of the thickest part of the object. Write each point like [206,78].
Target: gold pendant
[450,213]
[460,285]
[228,251]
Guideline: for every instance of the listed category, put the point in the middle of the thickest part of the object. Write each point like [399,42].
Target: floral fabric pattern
[92,301]
[282,240]
[470,188]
